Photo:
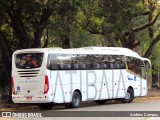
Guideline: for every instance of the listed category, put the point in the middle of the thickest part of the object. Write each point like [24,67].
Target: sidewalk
[153,93]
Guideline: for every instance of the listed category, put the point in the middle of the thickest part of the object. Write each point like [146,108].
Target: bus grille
[28,73]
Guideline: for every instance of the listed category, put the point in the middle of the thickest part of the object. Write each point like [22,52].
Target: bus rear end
[30,83]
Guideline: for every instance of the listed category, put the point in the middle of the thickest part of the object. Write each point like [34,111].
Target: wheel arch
[77,90]
[130,87]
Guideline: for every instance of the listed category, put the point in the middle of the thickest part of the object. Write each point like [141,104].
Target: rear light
[46,85]
[13,90]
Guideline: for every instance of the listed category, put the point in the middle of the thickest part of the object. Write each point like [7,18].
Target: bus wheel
[46,106]
[101,101]
[128,97]
[76,100]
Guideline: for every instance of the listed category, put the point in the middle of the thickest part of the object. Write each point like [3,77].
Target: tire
[128,97]
[46,106]
[101,101]
[76,100]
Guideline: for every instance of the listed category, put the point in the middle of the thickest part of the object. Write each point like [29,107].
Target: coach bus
[69,76]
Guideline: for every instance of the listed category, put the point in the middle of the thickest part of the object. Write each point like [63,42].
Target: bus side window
[107,65]
[95,66]
[65,66]
[54,67]
[75,66]
[81,66]
[122,66]
[134,65]
[114,65]
[117,65]
[111,65]
[81,62]
[117,62]
[52,62]
[102,66]
[97,62]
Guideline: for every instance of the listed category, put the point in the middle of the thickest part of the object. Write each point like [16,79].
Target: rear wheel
[76,100]
[128,97]
[45,106]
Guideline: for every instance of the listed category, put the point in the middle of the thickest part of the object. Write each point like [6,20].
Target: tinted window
[135,65]
[108,62]
[28,60]
[85,62]
[116,62]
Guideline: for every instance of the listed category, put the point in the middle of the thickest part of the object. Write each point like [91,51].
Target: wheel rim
[127,96]
[76,99]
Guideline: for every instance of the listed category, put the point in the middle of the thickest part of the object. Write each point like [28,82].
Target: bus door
[136,70]
[148,75]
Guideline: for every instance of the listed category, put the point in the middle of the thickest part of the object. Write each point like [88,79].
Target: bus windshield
[28,60]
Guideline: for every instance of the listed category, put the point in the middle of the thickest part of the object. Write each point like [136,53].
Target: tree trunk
[6,55]
[150,20]
[19,29]
[154,80]
[47,12]
[66,43]
[8,85]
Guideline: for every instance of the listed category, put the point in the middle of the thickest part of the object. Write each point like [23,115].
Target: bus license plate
[28,98]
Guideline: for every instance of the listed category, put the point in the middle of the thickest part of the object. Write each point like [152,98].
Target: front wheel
[128,97]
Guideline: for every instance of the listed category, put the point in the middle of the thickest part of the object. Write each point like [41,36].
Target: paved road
[138,106]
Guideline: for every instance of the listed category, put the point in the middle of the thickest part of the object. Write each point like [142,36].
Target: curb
[147,97]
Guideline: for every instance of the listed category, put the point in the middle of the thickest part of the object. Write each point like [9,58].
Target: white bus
[70,76]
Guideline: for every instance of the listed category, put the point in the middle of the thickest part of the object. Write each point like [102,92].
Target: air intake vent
[28,73]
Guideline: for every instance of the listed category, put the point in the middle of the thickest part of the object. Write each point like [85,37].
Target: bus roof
[116,50]
[86,50]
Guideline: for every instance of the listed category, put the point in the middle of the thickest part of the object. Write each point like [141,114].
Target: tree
[125,23]
[23,23]
[74,23]
[121,21]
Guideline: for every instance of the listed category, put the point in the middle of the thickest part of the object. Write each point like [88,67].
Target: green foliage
[8,32]
[81,38]
[155,60]
[120,14]
[76,23]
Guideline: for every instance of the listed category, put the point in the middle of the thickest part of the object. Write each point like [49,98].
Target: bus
[48,76]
